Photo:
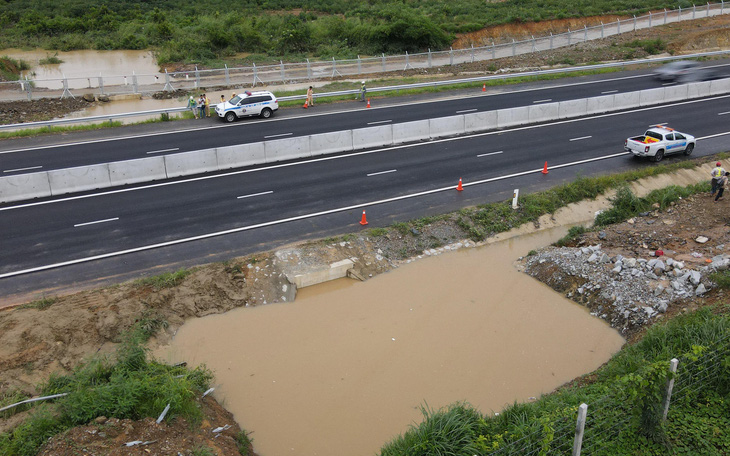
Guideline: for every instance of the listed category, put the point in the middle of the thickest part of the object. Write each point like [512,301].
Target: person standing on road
[201,106]
[363,91]
[206,100]
[721,184]
[717,173]
[310,96]
[192,107]
[223,99]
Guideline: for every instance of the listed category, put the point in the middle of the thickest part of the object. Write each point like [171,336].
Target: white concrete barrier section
[719,86]
[336,270]
[330,143]
[675,93]
[287,149]
[189,163]
[543,112]
[365,138]
[626,100]
[513,116]
[79,179]
[411,131]
[446,126]
[136,171]
[698,89]
[598,105]
[480,121]
[572,108]
[651,97]
[240,155]
[24,186]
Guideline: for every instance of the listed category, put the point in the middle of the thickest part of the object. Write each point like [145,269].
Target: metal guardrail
[110,117]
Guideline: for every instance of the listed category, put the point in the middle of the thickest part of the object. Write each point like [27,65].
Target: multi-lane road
[117,234]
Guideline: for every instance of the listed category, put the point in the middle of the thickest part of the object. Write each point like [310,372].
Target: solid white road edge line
[21,169]
[608,91]
[382,172]
[379,122]
[296,218]
[162,150]
[98,221]
[279,135]
[723,113]
[355,154]
[542,101]
[255,194]
[466,110]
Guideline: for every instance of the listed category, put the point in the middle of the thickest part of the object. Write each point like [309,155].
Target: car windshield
[235,100]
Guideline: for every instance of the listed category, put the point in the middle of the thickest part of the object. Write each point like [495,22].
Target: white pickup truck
[659,141]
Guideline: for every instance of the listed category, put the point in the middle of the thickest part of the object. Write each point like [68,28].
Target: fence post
[197,77]
[283,74]
[168,86]
[383,61]
[679,15]
[670,385]
[649,19]
[429,57]
[256,76]
[408,64]
[533,43]
[28,89]
[334,68]
[585,32]
[101,84]
[135,86]
[309,70]
[472,51]
[665,16]
[601,29]
[513,47]
[228,76]
[694,10]
[569,36]
[359,65]
[618,26]
[708,10]
[722,6]
[66,92]
[580,425]
[494,50]
[551,40]
[451,56]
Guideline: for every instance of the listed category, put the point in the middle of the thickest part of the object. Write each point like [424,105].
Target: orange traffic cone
[459,187]
[306,104]
[544,169]
[484,88]
[363,220]
[368,103]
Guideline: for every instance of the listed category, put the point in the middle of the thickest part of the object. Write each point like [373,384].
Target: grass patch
[166,280]
[377,232]
[50,60]
[573,233]
[55,129]
[10,68]
[40,304]
[244,443]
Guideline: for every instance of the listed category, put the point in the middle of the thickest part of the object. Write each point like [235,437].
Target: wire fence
[617,412]
[250,76]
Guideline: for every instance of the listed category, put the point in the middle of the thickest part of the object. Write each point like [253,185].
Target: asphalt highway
[35,154]
[114,235]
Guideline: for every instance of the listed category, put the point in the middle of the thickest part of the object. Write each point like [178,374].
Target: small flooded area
[83,67]
[344,368]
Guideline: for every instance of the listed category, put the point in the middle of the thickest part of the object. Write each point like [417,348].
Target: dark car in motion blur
[683,71]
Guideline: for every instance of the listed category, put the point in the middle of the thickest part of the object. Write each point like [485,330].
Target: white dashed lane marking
[95,222]
[255,194]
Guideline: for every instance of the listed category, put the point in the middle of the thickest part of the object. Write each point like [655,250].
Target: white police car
[261,104]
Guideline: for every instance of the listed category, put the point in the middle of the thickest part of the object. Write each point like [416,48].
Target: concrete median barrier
[189,163]
[626,100]
[80,179]
[698,89]
[675,93]
[543,112]
[572,108]
[446,126]
[136,171]
[411,131]
[287,149]
[719,86]
[599,105]
[651,97]
[513,116]
[480,121]
[24,186]
[330,143]
[240,155]
[365,138]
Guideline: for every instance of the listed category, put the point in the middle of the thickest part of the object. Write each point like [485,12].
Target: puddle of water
[84,64]
[343,369]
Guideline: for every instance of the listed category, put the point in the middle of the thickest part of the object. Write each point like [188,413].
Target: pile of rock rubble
[627,292]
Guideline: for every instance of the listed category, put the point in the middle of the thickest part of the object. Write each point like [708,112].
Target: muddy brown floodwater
[344,368]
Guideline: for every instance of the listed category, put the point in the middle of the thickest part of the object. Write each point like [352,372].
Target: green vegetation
[125,386]
[10,68]
[573,233]
[626,205]
[166,280]
[205,31]
[52,129]
[40,304]
[50,60]
[624,400]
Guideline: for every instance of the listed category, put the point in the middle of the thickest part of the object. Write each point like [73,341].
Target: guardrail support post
[66,92]
[197,77]
[514,50]
[569,35]
[429,58]
[135,86]
[679,16]
[694,10]
[382,61]
[472,52]
[585,32]
[618,26]
[634,22]
[168,87]
[283,74]
[101,84]
[708,9]
[334,68]
[28,88]
[228,76]
[451,56]
[580,425]
[309,70]
[359,65]
[670,385]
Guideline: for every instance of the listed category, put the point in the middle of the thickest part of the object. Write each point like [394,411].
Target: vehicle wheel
[689,149]
[230,117]
[266,113]
[659,155]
